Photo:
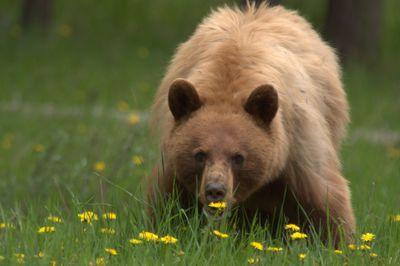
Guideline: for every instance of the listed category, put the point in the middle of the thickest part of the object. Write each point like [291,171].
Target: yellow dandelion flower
[88,217]
[123,106]
[40,255]
[367,237]
[298,235]
[144,86]
[302,256]
[46,229]
[64,30]
[274,249]
[6,144]
[54,219]
[135,241]
[217,205]
[219,234]
[396,218]
[257,245]
[6,225]
[168,239]
[352,246]
[16,31]
[82,129]
[338,251]
[143,52]
[109,216]
[20,258]
[53,263]
[253,260]
[148,236]
[137,160]
[7,141]
[393,152]
[108,231]
[292,227]
[133,118]
[38,148]
[99,166]
[100,261]
[111,251]
[373,255]
[364,247]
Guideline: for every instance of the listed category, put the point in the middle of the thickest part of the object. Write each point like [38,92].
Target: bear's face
[218,153]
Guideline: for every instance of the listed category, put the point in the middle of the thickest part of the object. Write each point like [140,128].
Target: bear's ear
[262,104]
[182,99]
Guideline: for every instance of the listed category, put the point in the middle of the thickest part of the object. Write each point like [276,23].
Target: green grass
[63,93]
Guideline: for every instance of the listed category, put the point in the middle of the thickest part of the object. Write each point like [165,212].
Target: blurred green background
[104,51]
[72,86]
[75,94]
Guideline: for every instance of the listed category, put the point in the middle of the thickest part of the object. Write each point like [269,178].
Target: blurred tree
[36,11]
[354,27]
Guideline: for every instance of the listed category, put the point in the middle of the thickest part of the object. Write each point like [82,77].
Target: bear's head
[222,152]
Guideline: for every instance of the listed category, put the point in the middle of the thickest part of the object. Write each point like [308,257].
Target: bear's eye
[237,159]
[200,156]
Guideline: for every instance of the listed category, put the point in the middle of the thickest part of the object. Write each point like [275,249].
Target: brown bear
[252,112]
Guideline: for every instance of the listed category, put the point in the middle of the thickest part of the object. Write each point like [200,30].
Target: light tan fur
[232,52]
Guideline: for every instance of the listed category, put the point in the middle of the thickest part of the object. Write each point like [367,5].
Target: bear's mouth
[215,213]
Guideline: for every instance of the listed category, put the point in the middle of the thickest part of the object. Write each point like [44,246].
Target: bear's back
[233,51]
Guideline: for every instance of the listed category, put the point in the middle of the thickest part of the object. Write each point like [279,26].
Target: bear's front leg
[326,201]
[334,218]
[161,186]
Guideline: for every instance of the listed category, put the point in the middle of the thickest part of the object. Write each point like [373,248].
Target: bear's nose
[215,192]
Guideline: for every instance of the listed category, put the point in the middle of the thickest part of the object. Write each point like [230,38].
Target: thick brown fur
[294,149]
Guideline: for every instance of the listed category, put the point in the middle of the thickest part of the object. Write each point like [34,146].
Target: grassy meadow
[74,139]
